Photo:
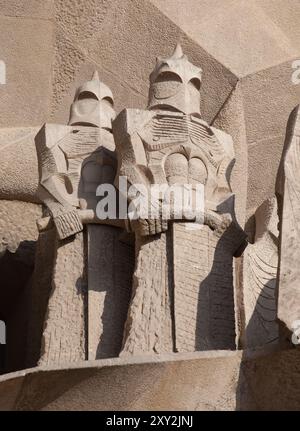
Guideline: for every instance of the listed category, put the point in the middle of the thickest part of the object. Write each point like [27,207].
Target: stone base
[214,380]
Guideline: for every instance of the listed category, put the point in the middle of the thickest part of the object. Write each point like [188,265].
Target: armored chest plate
[168,130]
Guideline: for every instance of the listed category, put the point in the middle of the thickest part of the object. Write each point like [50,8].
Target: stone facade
[99,280]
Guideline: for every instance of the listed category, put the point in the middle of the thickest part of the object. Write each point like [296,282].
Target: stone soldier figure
[70,157]
[92,270]
[183,296]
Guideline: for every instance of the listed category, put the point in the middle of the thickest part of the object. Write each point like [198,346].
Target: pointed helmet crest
[175,82]
[179,64]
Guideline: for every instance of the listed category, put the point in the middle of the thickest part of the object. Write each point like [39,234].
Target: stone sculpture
[69,157]
[183,295]
[259,273]
[288,194]
[92,268]
[67,279]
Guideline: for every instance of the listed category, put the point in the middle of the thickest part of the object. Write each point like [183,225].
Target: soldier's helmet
[175,84]
[93,105]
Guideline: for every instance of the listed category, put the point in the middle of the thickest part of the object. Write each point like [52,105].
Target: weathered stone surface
[64,336]
[244,36]
[85,34]
[19,168]
[177,382]
[41,287]
[98,37]
[263,94]
[198,381]
[169,144]
[26,48]
[28,8]
[150,321]
[259,273]
[203,290]
[274,381]
[189,292]
[289,212]
[73,160]
[17,224]
[83,26]
[11,390]
[262,172]
[231,119]
[110,270]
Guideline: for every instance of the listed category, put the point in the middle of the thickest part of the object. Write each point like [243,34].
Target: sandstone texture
[110,299]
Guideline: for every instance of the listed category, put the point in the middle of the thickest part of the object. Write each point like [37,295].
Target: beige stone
[170,144]
[85,310]
[68,157]
[259,273]
[17,223]
[231,119]
[66,280]
[27,8]
[26,49]
[244,36]
[18,160]
[95,43]
[288,202]
[177,382]
[206,381]
[64,335]
[110,267]
[41,288]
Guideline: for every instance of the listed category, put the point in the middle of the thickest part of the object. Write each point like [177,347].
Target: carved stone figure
[159,308]
[183,296]
[92,269]
[288,194]
[259,273]
[69,157]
